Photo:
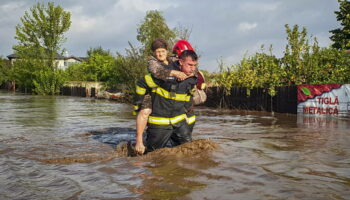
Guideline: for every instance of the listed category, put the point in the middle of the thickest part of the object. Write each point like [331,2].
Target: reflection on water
[64,148]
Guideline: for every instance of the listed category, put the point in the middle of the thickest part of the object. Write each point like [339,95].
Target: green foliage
[260,70]
[40,37]
[5,71]
[48,82]
[121,72]
[299,60]
[153,26]
[97,67]
[226,77]
[101,64]
[41,33]
[24,72]
[302,63]
[126,69]
[76,72]
[130,68]
[341,36]
[333,67]
[98,50]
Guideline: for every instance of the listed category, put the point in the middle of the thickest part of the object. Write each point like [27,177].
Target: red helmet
[181,46]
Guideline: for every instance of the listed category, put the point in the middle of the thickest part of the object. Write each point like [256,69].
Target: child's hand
[179,75]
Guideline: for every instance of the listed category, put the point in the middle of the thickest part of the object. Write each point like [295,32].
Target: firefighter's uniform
[170,102]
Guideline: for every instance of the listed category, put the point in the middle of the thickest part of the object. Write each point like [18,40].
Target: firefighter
[199,95]
[170,102]
[156,67]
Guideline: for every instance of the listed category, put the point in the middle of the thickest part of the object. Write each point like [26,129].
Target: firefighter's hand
[140,148]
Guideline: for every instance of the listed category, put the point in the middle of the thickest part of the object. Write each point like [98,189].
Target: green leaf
[306,91]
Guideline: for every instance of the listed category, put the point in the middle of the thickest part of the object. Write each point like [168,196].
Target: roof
[11,56]
[59,57]
[81,59]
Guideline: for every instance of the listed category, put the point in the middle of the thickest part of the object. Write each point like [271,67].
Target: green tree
[341,36]
[4,71]
[130,68]
[97,67]
[303,62]
[40,37]
[7,74]
[153,26]
[226,77]
[267,71]
[298,62]
[98,50]
[48,81]
[76,72]
[261,70]
[24,73]
[99,64]
[41,33]
[332,67]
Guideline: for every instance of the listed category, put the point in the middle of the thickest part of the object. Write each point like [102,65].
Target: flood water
[65,148]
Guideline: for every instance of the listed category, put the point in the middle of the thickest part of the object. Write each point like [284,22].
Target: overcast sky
[221,29]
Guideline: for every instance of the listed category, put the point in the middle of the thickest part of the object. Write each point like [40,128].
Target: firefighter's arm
[189,105]
[141,91]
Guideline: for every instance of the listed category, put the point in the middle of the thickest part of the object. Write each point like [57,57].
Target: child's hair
[159,43]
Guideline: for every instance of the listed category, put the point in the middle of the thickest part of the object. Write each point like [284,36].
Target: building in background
[62,61]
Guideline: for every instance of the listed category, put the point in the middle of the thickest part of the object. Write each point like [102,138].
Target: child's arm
[160,72]
[157,69]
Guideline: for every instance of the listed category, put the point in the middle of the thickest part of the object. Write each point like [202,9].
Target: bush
[48,82]
[302,63]
[129,69]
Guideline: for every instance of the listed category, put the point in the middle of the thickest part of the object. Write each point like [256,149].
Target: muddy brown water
[65,148]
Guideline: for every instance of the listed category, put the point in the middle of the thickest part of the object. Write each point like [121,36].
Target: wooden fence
[81,88]
[285,101]
[78,91]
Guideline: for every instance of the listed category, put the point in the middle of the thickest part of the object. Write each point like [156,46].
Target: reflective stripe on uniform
[168,95]
[166,121]
[136,107]
[191,120]
[150,82]
[140,90]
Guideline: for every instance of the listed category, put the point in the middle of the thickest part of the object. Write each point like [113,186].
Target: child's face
[161,54]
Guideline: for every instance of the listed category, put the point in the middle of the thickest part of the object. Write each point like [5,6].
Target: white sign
[324,100]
